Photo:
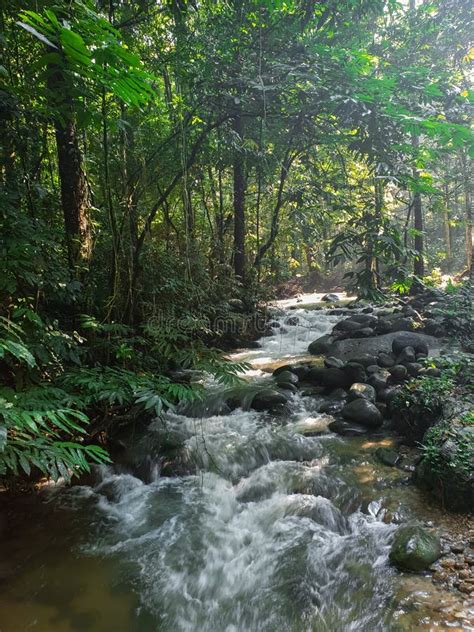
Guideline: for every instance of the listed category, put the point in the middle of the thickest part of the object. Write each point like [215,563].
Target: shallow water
[278,531]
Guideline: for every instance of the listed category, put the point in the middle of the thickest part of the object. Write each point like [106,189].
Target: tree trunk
[468,211]
[239,202]
[74,196]
[74,189]
[447,230]
[419,265]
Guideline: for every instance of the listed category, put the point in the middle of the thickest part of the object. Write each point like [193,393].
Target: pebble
[448,563]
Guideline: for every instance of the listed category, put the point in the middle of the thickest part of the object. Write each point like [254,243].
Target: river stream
[285,527]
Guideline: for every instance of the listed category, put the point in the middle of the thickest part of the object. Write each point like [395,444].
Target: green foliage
[425,395]
[40,430]
[378,248]
[401,286]
[434,279]
[103,389]
[88,46]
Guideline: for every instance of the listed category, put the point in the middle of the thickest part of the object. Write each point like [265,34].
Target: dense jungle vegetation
[168,166]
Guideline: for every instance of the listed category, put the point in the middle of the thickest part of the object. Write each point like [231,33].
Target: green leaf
[37,34]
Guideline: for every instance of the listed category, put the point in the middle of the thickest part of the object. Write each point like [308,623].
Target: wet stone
[387,456]
[287,377]
[363,412]
[362,391]
[414,548]
[333,363]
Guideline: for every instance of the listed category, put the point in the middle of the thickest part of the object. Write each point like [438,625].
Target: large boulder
[363,412]
[414,549]
[321,345]
[353,347]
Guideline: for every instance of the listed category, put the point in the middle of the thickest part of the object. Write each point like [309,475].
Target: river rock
[355,372]
[432,372]
[315,375]
[434,327]
[414,549]
[387,456]
[300,370]
[365,359]
[366,320]
[331,407]
[333,363]
[353,347]
[321,345]
[385,360]
[378,381]
[373,368]
[292,321]
[330,298]
[268,399]
[347,326]
[407,355]
[414,368]
[362,391]
[335,378]
[364,412]
[288,386]
[312,391]
[417,341]
[365,332]
[398,373]
[338,394]
[283,369]
[286,376]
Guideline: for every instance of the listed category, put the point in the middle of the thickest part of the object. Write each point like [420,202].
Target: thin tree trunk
[468,212]
[447,229]
[419,264]
[239,201]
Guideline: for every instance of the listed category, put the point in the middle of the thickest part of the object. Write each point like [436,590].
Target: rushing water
[285,527]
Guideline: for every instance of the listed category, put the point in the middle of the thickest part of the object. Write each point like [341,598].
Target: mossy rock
[447,467]
[414,549]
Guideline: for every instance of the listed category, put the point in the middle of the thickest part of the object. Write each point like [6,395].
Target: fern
[34,427]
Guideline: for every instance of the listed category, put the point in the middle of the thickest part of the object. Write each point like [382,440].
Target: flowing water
[284,527]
